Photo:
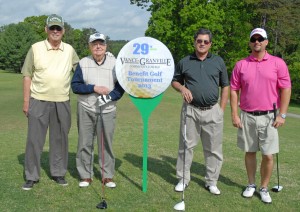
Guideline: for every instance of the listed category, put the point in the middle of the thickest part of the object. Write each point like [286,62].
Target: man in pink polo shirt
[261,81]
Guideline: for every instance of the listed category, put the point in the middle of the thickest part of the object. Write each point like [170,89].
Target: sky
[116,18]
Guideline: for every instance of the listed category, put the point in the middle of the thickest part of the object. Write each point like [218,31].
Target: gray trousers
[56,116]
[90,126]
[205,125]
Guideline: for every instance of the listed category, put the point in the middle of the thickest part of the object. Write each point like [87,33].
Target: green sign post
[144,69]
[146,107]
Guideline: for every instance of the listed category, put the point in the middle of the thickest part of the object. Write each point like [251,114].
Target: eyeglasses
[200,41]
[259,39]
[57,28]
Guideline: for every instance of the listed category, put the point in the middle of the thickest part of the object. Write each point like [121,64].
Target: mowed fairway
[128,148]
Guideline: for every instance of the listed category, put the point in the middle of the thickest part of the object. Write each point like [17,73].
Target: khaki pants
[205,125]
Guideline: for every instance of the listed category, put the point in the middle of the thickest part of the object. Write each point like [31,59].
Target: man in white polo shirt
[46,84]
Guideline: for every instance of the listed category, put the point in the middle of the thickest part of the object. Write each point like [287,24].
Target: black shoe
[60,181]
[29,185]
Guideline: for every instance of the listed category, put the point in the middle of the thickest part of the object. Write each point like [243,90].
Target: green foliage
[15,40]
[115,46]
[38,23]
[174,23]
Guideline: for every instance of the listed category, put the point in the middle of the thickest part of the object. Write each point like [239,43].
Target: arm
[224,97]
[26,94]
[79,87]
[285,95]
[234,97]
[117,92]
[185,93]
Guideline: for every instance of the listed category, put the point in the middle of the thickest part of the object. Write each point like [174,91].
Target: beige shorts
[258,134]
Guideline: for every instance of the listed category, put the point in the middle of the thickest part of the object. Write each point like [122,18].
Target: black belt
[203,108]
[260,113]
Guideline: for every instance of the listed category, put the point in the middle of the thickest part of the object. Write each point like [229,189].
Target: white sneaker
[249,191]
[85,183]
[109,183]
[265,196]
[180,187]
[213,189]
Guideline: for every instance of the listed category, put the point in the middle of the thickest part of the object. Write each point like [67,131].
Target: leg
[212,139]
[37,130]
[60,124]
[86,123]
[192,137]
[266,169]
[105,131]
[250,163]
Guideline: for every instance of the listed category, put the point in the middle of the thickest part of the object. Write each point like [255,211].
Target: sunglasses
[57,28]
[259,39]
[200,41]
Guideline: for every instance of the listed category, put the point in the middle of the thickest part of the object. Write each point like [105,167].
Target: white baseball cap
[97,36]
[259,31]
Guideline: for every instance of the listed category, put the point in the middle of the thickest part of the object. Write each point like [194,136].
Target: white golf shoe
[265,196]
[213,189]
[108,182]
[249,191]
[85,182]
[180,187]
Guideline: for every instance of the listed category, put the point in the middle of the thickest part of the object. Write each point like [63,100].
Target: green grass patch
[163,144]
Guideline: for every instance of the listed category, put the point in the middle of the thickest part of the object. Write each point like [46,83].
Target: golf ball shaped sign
[144,67]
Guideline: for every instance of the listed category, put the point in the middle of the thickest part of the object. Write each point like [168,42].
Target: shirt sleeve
[224,81]
[178,76]
[283,76]
[235,78]
[78,85]
[75,59]
[28,66]
[117,92]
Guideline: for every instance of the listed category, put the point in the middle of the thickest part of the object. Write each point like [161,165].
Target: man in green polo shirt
[198,77]
[46,85]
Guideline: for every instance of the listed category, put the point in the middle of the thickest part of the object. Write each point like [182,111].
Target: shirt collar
[194,56]
[49,47]
[266,57]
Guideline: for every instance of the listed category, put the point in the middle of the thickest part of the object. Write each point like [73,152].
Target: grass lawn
[163,144]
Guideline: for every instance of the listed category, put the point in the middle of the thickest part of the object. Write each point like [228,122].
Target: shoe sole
[267,202]
[26,189]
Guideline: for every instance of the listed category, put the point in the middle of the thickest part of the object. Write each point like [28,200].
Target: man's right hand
[25,107]
[186,94]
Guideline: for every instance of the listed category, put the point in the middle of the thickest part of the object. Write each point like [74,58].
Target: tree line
[174,22]
[16,39]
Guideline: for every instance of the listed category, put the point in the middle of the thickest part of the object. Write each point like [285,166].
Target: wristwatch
[283,115]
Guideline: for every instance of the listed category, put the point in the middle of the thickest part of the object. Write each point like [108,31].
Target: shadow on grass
[71,165]
[166,169]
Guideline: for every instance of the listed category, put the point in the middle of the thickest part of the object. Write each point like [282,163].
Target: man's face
[202,44]
[98,48]
[55,33]
[257,43]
